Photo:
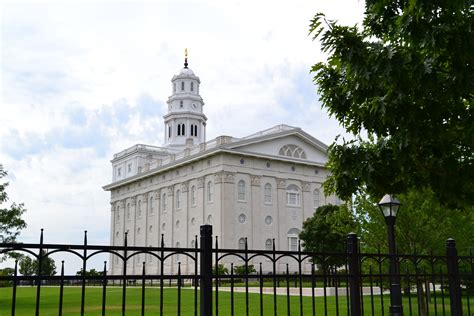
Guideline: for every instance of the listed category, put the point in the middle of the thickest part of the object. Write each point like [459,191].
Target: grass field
[26,298]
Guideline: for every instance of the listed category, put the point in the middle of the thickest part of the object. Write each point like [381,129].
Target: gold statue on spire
[186,58]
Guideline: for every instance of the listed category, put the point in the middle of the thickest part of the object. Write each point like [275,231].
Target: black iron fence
[244,282]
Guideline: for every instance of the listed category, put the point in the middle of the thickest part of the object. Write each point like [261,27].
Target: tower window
[169,131]
[192,86]
[182,85]
[174,87]
[181,130]
[180,104]
[193,130]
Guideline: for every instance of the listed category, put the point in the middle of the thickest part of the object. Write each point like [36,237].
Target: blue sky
[82,80]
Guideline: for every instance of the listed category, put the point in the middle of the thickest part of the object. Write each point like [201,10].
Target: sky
[82,80]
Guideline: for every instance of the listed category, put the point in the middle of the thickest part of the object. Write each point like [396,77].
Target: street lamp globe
[389,206]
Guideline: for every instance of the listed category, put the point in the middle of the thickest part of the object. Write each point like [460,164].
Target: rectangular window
[292,199]
[129,167]
[192,86]
[293,243]
[182,85]
[119,172]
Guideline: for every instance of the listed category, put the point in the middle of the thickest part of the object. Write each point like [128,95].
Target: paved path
[306,291]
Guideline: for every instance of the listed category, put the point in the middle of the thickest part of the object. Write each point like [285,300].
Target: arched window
[241,190]
[293,237]
[268,244]
[179,130]
[242,243]
[293,195]
[150,257]
[193,195]
[192,86]
[182,85]
[169,131]
[210,191]
[195,130]
[292,151]
[177,255]
[151,206]
[128,210]
[139,209]
[163,202]
[178,199]
[267,193]
[117,212]
[183,129]
[316,198]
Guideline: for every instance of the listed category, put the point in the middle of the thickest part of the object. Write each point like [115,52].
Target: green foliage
[27,266]
[406,78]
[423,225]
[91,272]
[10,218]
[30,266]
[241,270]
[6,272]
[326,231]
[220,269]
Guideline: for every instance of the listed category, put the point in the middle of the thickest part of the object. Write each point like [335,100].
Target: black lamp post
[389,206]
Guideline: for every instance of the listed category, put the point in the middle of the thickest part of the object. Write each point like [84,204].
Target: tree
[6,272]
[90,273]
[420,215]
[27,266]
[406,78]
[422,227]
[242,270]
[11,222]
[326,231]
[220,269]
[30,266]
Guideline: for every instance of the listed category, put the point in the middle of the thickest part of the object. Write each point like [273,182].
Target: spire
[186,58]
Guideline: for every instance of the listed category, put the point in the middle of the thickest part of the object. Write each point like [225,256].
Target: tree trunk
[420,292]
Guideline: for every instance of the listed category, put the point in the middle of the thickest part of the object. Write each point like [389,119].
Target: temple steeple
[185,121]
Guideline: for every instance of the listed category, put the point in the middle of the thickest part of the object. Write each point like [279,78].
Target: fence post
[354,274]
[453,277]
[206,270]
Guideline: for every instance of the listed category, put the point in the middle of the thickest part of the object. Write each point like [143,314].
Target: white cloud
[83,80]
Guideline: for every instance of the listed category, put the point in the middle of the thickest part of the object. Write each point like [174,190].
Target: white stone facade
[260,187]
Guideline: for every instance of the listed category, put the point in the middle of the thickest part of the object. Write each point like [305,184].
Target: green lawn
[26,297]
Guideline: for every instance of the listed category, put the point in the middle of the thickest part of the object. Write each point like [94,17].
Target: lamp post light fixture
[389,206]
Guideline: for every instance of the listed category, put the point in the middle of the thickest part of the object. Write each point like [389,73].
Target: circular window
[193,221]
[242,218]
[268,220]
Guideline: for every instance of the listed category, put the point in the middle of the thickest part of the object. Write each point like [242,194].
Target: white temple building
[262,186]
